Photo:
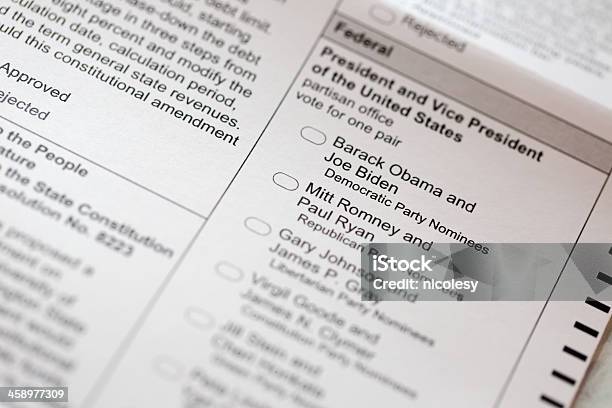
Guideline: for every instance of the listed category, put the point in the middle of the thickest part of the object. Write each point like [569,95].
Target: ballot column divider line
[104,377]
[131,334]
[512,372]
[96,164]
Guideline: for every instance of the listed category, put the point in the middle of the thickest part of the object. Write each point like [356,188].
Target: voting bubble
[382,14]
[168,368]
[257,226]
[313,135]
[285,181]
[199,318]
[229,271]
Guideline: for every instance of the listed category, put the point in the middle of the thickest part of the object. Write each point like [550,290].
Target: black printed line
[563,377]
[551,401]
[586,329]
[574,353]
[604,277]
[597,304]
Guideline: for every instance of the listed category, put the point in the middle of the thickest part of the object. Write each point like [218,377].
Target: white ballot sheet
[187,188]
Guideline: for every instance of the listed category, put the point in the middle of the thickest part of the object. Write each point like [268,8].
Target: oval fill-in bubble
[382,14]
[285,181]
[168,368]
[313,135]
[259,227]
[199,318]
[229,271]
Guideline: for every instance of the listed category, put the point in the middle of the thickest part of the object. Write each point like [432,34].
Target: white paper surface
[186,187]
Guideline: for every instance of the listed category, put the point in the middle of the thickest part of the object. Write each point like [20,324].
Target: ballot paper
[187,186]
